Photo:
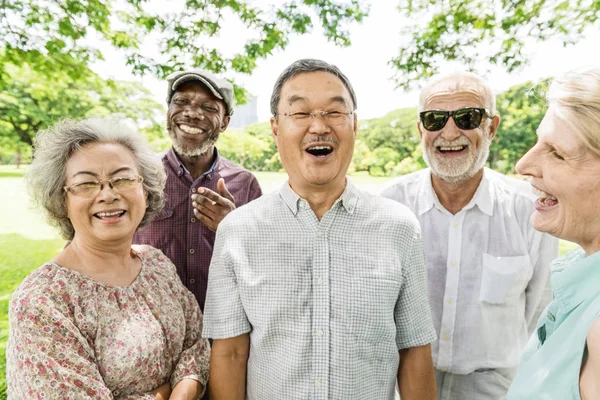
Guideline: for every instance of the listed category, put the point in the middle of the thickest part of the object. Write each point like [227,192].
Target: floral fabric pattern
[72,337]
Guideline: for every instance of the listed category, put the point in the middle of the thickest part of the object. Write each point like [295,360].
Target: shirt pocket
[159,233]
[372,309]
[503,279]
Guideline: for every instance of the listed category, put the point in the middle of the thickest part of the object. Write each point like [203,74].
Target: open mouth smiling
[545,199]
[319,150]
[110,214]
[451,149]
[191,130]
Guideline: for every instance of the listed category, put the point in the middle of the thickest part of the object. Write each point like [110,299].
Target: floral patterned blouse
[72,337]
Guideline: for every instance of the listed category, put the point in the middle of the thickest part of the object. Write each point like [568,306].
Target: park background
[70,58]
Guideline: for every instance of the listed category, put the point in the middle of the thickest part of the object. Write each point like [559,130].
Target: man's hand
[210,207]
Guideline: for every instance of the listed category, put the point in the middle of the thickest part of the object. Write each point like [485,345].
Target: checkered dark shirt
[176,231]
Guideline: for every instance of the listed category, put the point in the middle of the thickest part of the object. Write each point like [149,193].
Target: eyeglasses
[92,188]
[303,119]
[465,118]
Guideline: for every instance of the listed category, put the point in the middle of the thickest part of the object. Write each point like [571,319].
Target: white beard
[458,169]
[201,150]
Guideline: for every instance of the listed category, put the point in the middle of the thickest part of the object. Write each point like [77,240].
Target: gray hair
[576,100]
[307,65]
[459,82]
[53,148]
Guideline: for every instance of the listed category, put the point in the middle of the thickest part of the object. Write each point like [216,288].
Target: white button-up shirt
[327,303]
[488,270]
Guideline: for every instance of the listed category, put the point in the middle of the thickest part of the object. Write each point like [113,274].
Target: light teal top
[551,363]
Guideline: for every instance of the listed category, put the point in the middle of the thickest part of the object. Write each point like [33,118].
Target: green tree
[521,109]
[30,101]
[396,130]
[499,32]
[56,34]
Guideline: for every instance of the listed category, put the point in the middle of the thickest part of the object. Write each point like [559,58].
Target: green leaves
[32,99]
[159,41]
[484,31]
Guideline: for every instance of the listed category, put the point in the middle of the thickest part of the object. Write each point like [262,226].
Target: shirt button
[318,383]
[191,251]
[320,281]
[455,225]
[453,264]
[550,317]
[319,233]
[319,332]
[192,281]
[446,338]
[193,190]
[450,301]
[193,220]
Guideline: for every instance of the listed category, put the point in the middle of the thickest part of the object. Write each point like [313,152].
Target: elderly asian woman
[103,319]
[562,359]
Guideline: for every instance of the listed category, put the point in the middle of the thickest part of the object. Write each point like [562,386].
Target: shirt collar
[575,277]
[178,165]
[348,199]
[483,197]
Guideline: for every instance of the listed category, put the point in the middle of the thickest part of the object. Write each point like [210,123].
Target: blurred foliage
[31,100]
[499,32]
[160,37]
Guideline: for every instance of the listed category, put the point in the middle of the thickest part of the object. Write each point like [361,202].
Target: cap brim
[196,77]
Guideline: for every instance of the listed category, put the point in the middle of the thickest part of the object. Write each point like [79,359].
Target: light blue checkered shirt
[327,303]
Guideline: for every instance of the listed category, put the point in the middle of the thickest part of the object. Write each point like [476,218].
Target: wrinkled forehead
[315,88]
[456,92]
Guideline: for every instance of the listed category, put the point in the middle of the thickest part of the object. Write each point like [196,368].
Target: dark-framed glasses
[465,118]
[332,118]
[92,188]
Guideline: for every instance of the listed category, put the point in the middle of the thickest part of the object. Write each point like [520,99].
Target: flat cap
[221,88]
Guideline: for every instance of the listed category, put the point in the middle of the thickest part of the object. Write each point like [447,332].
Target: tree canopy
[493,32]
[56,34]
[31,100]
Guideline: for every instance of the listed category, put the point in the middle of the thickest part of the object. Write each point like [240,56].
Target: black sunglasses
[465,118]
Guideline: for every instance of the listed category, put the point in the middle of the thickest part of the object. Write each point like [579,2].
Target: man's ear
[494,126]
[355,124]
[419,129]
[275,130]
[225,123]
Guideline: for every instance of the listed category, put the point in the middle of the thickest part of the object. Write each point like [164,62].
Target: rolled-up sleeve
[224,315]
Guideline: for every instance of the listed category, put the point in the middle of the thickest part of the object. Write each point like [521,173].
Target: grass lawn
[26,241]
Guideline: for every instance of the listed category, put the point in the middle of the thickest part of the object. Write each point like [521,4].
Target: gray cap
[221,88]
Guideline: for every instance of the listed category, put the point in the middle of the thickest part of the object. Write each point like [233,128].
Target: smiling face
[566,176]
[315,152]
[453,154]
[195,119]
[109,216]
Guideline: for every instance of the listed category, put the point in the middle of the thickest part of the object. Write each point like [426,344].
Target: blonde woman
[562,359]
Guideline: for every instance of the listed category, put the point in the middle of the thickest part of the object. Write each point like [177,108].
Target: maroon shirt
[177,232]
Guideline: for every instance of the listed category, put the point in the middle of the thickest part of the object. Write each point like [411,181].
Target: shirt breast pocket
[372,308]
[160,231]
[503,279]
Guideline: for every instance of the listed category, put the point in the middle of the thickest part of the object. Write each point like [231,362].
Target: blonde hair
[576,100]
[460,81]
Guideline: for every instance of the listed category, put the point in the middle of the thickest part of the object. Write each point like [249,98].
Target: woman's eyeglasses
[92,188]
